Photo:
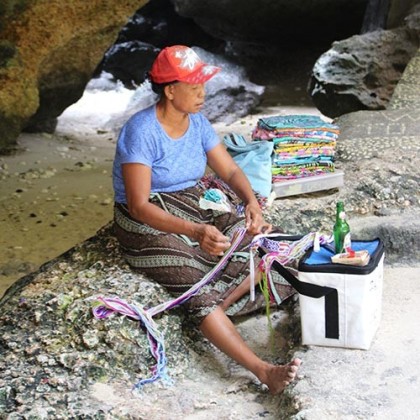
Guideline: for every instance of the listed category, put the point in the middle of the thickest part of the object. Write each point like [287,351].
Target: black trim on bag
[314,291]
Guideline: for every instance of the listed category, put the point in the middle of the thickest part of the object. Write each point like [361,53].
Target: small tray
[308,184]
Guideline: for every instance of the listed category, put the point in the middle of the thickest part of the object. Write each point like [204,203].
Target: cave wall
[49,49]
[48,52]
[275,22]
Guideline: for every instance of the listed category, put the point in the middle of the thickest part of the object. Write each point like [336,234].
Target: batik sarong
[176,262]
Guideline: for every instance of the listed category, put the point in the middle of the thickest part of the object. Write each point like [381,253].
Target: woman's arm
[137,182]
[226,168]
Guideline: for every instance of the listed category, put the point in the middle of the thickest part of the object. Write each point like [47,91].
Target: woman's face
[186,97]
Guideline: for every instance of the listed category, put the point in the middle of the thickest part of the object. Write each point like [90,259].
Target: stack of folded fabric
[304,145]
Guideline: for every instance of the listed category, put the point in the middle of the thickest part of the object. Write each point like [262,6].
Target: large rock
[128,62]
[407,93]
[67,349]
[361,72]
[48,53]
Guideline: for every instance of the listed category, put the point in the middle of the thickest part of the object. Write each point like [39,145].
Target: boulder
[407,93]
[361,72]
[48,53]
[128,62]
[68,349]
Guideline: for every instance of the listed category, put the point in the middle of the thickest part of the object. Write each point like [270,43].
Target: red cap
[182,64]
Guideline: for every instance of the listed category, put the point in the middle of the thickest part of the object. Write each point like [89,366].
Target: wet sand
[55,193]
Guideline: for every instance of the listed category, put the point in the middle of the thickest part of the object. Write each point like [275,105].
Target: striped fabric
[177,263]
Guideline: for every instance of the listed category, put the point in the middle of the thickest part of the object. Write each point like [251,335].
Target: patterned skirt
[175,262]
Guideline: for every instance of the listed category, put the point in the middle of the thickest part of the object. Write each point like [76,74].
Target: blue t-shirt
[176,163]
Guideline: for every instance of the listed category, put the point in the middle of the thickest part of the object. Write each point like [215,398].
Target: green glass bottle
[341,230]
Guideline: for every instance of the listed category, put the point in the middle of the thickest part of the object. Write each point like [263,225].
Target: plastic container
[308,184]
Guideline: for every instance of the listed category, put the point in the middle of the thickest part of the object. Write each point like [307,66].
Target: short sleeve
[133,146]
[209,135]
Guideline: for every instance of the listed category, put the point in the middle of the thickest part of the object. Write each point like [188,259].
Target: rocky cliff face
[51,49]
[48,52]
[361,72]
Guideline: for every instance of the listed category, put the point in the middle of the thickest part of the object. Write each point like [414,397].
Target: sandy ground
[55,192]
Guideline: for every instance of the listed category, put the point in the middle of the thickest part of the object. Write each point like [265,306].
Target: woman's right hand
[211,239]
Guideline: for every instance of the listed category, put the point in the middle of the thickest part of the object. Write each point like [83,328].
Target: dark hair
[158,87]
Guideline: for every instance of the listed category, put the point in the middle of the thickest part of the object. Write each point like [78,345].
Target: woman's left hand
[255,222]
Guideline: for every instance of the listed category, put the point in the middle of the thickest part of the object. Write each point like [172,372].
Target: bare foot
[277,377]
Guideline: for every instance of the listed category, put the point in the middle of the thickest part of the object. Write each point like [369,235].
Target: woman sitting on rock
[161,156]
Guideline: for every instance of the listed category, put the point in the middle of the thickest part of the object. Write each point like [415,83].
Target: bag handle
[314,291]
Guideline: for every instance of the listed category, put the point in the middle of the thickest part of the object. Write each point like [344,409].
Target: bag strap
[314,291]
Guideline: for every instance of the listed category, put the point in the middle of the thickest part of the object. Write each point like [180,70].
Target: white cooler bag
[340,304]
[352,316]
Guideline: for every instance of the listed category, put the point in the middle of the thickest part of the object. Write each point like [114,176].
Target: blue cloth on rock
[254,158]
